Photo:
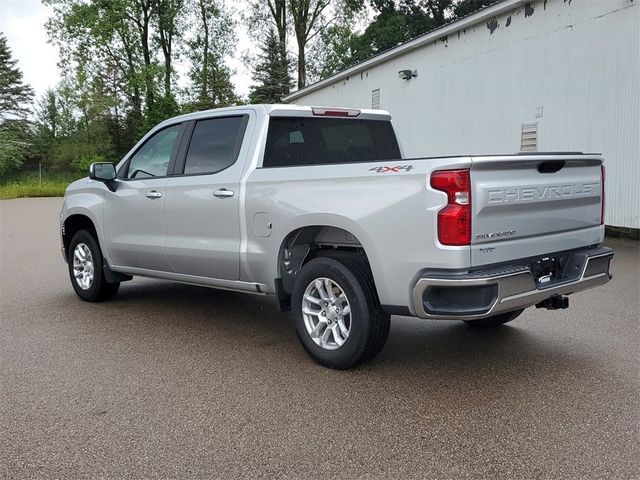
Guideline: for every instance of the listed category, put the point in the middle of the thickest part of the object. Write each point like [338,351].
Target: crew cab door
[134,222]
[202,201]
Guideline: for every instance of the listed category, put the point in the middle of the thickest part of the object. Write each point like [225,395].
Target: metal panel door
[202,209]
[203,228]
[134,223]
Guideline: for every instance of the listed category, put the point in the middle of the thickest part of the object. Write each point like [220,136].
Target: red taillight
[602,179]
[454,220]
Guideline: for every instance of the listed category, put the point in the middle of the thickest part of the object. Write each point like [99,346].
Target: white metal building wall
[572,67]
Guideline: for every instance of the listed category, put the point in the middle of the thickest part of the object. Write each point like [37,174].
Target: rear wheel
[339,320]
[85,269]
[496,320]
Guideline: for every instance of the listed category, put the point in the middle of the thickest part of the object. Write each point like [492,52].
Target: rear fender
[350,226]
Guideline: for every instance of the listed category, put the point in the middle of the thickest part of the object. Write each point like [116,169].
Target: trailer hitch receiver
[554,302]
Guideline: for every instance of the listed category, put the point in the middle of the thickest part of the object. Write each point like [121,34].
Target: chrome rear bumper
[483,294]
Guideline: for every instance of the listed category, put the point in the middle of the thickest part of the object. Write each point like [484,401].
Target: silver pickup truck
[318,208]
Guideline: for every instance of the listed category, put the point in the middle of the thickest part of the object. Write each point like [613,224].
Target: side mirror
[104,172]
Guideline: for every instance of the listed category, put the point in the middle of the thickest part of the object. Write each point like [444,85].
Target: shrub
[81,165]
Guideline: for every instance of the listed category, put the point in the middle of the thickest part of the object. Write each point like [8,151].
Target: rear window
[215,144]
[316,141]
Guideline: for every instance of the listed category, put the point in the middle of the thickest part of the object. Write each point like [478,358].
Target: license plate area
[553,269]
[547,270]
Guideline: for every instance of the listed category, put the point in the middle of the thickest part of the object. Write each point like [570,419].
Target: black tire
[99,289]
[383,324]
[369,325]
[495,321]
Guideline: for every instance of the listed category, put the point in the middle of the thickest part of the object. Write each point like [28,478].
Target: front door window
[152,159]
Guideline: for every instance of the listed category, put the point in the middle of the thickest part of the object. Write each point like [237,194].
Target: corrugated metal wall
[572,67]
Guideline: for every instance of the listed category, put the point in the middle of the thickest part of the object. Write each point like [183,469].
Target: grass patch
[29,185]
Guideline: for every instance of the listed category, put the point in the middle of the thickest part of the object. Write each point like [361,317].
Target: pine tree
[271,72]
[212,87]
[15,98]
[14,95]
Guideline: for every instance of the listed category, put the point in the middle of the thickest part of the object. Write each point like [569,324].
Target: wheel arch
[313,240]
[80,221]
[74,223]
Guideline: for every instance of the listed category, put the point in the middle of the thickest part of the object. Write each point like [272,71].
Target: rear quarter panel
[392,214]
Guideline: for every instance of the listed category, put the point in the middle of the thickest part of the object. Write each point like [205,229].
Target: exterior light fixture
[407,74]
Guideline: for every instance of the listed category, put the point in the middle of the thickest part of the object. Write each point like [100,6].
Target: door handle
[222,193]
[153,194]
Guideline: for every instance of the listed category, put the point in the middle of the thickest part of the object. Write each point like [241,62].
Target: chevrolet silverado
[318,208]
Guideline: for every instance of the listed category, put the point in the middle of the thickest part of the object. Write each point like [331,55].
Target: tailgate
[533,205]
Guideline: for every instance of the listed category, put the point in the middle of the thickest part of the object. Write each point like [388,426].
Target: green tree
[466,7]
[308,20]
[169,27]
[271,72]
[332,54]
[265,15]
[54,121]
[395,22]
[98,38]
[120,54]
[15,144]
[333,49]
[73,124]
[128,44]
[214,39]
[48,116]
[15,99]
[15,96]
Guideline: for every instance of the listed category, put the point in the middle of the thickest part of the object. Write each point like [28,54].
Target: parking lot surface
[176,381]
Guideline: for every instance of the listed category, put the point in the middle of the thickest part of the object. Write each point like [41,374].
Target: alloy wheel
[326,313]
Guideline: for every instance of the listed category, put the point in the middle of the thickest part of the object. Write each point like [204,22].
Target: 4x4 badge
[395,169]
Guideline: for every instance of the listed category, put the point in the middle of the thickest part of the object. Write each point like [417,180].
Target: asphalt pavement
[174,381]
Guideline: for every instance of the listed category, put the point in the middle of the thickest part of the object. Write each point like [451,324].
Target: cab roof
[284,110]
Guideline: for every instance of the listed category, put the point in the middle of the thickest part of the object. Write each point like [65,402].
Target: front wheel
[85,269]
[339,320]
[496,320]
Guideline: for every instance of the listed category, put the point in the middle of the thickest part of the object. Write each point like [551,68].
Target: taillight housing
[454,220]
[602,195]
[335,112]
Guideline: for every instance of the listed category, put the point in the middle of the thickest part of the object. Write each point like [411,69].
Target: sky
[22,22]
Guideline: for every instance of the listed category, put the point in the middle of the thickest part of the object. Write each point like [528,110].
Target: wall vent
[529,137]
[375,98]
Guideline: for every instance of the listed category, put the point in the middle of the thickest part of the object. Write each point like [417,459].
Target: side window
[152,159]
[215,144]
